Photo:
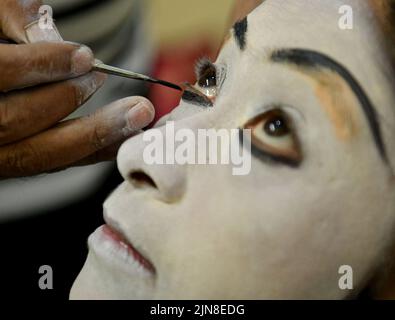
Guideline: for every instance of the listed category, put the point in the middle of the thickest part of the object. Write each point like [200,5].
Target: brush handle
[101,67]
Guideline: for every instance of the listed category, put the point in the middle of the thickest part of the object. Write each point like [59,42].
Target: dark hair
[385,13]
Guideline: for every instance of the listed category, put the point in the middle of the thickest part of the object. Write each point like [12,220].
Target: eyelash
[202,64]
[208,71]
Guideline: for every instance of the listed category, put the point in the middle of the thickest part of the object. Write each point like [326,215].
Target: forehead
[313,25]
[310,26]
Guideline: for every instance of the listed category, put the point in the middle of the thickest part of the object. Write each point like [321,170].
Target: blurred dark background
[57,239]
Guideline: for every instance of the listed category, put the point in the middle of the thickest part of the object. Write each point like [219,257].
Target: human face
[320,194]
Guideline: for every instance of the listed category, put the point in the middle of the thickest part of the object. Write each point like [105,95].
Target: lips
[108,239]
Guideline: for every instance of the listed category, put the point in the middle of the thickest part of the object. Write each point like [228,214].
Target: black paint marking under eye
[240,29]
[267,157]
[314,59]
[195,97]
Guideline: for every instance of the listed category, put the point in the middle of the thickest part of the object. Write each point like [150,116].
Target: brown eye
[208,78]
[276,127]
[272,134]
[206,73]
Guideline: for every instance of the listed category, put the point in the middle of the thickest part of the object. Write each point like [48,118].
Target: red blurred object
[175,65]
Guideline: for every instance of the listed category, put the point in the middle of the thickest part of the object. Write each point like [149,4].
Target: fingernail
[89,84]
[81,61]
[140,116]
[35,32]
[100,78]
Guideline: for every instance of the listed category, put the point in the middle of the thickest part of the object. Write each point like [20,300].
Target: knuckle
[43,60]
[25,159]
[98,134]
[13,160]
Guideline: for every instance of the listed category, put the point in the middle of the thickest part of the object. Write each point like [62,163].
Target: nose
[166,182]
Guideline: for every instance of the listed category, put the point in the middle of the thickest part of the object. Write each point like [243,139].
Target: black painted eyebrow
[313,59]
[240,30]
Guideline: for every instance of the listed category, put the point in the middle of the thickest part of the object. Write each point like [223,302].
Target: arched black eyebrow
[313,59]
[240,30]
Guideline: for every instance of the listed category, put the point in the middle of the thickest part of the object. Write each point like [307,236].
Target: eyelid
[266,151]
[295,115]
[201,65]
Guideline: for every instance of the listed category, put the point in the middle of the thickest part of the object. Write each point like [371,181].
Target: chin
[100,282]
[113,270]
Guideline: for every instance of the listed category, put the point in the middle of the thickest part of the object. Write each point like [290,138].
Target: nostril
[140,179]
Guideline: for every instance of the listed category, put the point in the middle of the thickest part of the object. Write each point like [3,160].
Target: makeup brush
[189,93]
[104,68]
[194,96]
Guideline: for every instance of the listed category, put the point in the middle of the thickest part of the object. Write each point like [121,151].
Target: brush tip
[194,96]
[169,85]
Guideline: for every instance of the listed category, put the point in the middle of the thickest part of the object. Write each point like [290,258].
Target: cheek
[272,235]
[288,223]
[184,110]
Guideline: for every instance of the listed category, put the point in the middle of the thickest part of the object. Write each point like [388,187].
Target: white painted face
[321,190]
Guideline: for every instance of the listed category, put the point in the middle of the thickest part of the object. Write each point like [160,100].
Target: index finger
[26,65]
[74,140]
